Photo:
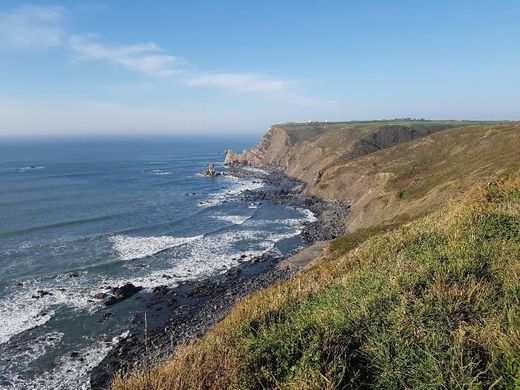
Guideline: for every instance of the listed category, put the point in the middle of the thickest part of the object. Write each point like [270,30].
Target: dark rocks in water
[210,170]
[41,294]
[121,293]
[73,274]
[160,290]
[100,295]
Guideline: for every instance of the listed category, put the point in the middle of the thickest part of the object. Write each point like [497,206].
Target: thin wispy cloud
[241,82]
[40,27]
[32,27]
[147,58]
[244,83]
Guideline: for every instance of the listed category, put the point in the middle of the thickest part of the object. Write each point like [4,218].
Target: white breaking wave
[214,255]
[130,248]
[69,373]
[255,170]
[236,219]
[24,169]
[17,316]
[309,215]
[241,186]
[23,308]
[159,172]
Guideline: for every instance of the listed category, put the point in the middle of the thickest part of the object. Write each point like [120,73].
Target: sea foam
[130,248]
[240,185]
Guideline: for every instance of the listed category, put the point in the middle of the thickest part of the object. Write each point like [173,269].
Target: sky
[131,67]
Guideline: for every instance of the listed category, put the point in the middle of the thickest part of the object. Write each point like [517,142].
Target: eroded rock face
[270,151]
[234,159]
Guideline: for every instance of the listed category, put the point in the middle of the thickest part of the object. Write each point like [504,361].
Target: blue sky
[179,67]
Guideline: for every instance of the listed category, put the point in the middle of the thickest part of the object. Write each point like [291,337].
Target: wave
[160,172]
[131,248]
[255,170]
[31,168]
[234,219]
[194,258]
[67,373]
[20,310]
[308,214]
[221,197]
[216,254]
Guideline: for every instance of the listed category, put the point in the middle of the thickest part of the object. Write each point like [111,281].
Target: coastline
[177,315]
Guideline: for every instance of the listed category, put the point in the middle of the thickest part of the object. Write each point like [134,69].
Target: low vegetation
[412,178]
[432,303]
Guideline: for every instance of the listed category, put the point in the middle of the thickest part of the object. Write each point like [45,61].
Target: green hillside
[434,303]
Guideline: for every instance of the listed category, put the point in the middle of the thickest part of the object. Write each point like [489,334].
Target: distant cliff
[387,171]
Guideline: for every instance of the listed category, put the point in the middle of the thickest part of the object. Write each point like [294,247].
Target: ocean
[77,216]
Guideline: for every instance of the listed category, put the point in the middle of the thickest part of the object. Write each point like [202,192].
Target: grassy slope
[311,152]
[301,132]
[410,179]
[385,174]
[431,304]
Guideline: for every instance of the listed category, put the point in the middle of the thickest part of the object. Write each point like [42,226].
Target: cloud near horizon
[41,27]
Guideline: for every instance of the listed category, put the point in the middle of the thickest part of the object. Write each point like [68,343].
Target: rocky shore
[172,316]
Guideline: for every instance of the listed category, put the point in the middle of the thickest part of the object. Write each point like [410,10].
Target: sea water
[77,216]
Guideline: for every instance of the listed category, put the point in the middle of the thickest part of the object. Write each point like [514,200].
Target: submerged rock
[105,316]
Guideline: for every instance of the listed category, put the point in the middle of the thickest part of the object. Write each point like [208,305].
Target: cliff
[424,293]
[387,171]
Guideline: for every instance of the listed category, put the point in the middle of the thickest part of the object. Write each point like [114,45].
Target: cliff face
[269,152]
[387,171]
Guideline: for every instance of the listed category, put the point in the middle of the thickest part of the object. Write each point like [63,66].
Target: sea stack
[210,171]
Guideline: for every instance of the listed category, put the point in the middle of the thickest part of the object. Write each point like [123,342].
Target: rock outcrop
[246,158]
[210,171]
[119,294]
[269,152]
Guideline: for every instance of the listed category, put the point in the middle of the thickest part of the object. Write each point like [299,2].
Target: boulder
[121,293]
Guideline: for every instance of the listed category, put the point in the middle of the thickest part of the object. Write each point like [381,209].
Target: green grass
[299,132]
[434,303]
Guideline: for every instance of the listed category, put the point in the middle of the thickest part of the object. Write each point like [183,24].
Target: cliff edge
[388,172]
